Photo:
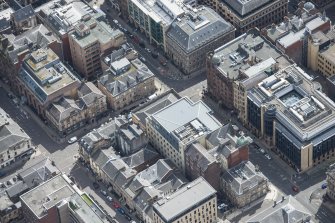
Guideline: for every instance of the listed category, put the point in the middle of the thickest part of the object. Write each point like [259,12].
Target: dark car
[96,185]
[154,54]
[128,217]
[121,211]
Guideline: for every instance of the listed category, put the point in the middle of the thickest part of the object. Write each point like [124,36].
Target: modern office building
[126,82]
[92,37]
[68,114]
[43,78]
[245,15]
[15,144]
[173,128]
[244,184]
[193,35]
[178,207]
[239,65]
[294,117]
[154,17]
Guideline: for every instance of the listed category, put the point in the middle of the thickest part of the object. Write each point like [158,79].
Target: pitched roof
[23,13]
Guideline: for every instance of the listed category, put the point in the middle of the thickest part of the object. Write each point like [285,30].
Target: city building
[91,38]
[294,117]
[178,207]
[15,144]
[193,35]
[140,113]
[30,177]
[130,138]
[223,149]
[239,65]
[174,127]
[245,15]
[331,181]
[62,19]
[294,40]
[321,3]
[150,185]
[286,210]
[100,138]
[43,78]
[23,19]
[5,17]
[59,200]
[126,82]
[321,51]
[244,183]
[15,48]
[67,114]
[154,17]
[330,86]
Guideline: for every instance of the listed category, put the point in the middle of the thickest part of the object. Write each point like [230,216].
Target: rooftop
[288,210]
[47,195]
[293,37]
[94,29]
[248,56]
[245,7]
[243,177]
[63,17]
[186,119]
[302,111]
[198,27]
[179,203]
[11,134]
[136,73]
[23,13]
[45,74]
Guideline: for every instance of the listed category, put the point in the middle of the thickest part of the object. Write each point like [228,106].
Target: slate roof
[197,153]
[23,13]
[194,30]
[11,133]
[243,177]
[287,211]
[118,85]
[148,153]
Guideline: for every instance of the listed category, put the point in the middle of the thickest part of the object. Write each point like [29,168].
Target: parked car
[148,50]
[72,140]
[103,192]
[222,206]
[109,198]
[262,150]
[96,185]
[268,156]
[324,186]
[121,211]
[116,205]
[154,54]
[295,188]
[128,217]
[142,59]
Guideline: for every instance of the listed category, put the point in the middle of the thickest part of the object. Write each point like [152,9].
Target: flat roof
[184,200]
[47,195]
[45,74]
[185,111]
[233,57]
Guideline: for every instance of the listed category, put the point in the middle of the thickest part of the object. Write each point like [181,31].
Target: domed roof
[216,59]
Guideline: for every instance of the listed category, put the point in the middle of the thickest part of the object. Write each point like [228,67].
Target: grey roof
[137,74]
[230,59]
[62,109]
[146,154]
[23,13]
[101,156]
[196,29]
[199,155]
[243,7]
[17,189]
[243,177]
[179,203]
[11,133]
[183,112]
[158,103]
[287,211]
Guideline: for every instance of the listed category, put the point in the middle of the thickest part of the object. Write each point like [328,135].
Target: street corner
[272,194]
